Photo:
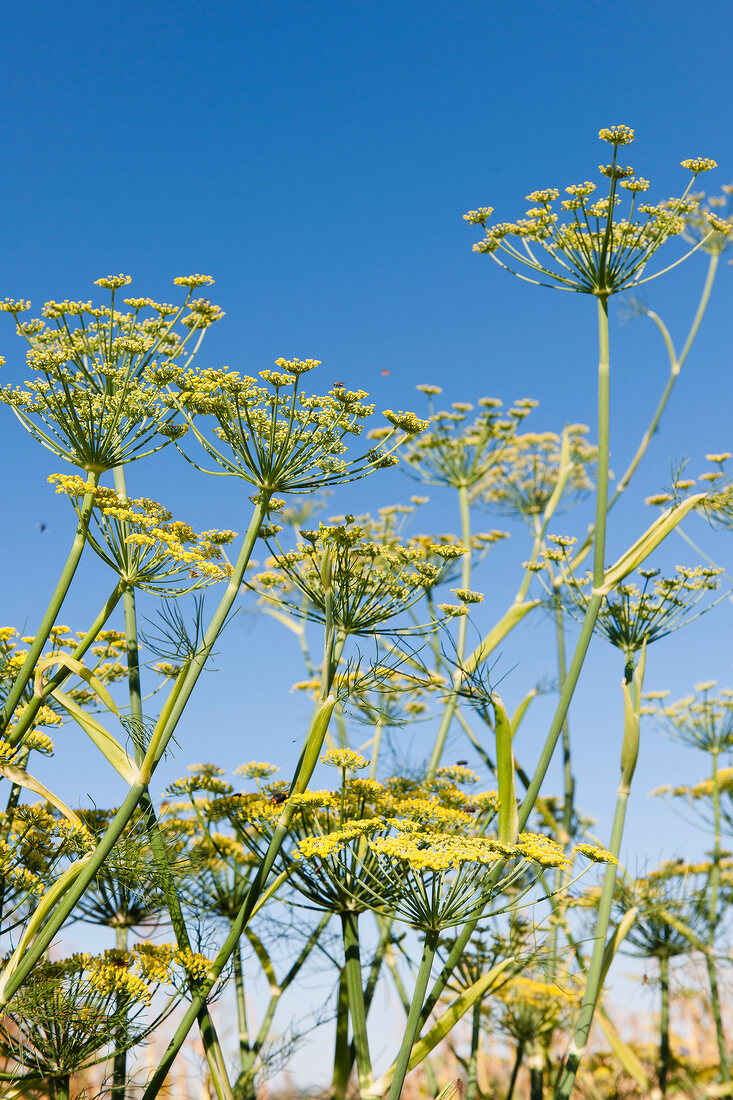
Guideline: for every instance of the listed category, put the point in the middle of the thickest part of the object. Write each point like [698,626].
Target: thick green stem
[452,701]
[119,1064]
[209,1038]
[472,1075]
[342,1060]
[664,1052]
[535,1063]
[595,970]
[713,920]
[242,1029]
[355,990]
[515,1070]
[724,1069]
[412,1026]
[61,1087]
[41,637]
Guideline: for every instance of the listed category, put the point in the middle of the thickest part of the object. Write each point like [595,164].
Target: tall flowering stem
[632,687]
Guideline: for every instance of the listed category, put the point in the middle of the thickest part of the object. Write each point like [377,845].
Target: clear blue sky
[316,158]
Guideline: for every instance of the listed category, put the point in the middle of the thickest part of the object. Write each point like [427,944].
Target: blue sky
[316,158]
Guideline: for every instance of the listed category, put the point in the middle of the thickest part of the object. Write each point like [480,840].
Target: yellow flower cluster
[145,545]
[596,252]
[345,758]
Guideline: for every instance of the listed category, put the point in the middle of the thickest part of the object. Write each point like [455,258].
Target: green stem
[713,919]
[342,1060]
[412,1026]
[209,1038]
[355,990]
[452,701]
[595,973]
[119,1064]
[515,1070]
[58,597]
[724,1069]
[242,1030]
[472,1075]
[664,1052]
[536,1073]
[61,1087]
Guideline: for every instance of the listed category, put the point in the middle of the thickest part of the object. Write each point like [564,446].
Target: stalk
[515,1070]
[452,701]
[536,1074]
[242,1029]
[713,918]
[119,1064]
[412,1026]
[209,1037]
[595,975]
[472,1075]
[664,1052]
[61,1087]
[355,991]
[342,1060]
[58,597]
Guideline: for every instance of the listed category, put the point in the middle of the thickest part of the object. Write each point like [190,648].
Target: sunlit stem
[241,1001]
[595,975]
[209,1037]
[515,1070]
[452,700]
[412,1026]
[342,1060]
[355,990]
[472,1075]
[375,747]
[713,919]
[67,575]
[119,1066]
[664,1050]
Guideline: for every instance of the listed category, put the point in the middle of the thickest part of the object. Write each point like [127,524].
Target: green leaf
[626,1056]
[22,779]
[444,1025]
[508,820]
[637,554]
[79,670]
